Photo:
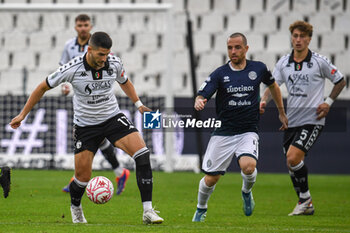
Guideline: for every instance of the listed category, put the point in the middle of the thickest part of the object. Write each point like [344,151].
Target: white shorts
[221,150]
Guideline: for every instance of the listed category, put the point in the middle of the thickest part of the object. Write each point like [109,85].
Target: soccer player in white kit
[76,47]
[304,73]
[237,87]
[97,116]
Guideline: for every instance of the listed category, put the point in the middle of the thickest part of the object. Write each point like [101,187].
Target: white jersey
[94,101]
[72,49]
[305,83]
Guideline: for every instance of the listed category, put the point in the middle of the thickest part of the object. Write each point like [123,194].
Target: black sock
[295,183]
[110,155]
[144,176]
[301,177]
[76,192]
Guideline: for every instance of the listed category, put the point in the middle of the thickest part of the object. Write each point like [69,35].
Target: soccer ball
[99,190]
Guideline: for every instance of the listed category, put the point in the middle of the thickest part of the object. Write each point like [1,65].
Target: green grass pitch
[36,204]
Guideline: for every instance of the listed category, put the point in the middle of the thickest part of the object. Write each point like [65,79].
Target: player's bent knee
[211,180]
[248,169]
[247,164]
[293,160]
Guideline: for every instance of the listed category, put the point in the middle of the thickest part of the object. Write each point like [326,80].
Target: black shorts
[302,137]
[90,137]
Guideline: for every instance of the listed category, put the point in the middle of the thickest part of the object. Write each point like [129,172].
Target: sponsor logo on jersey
[226,79]
[97,86]
[241,88]
[309,65]
[239,95]
[252,75]
[83,74]
[239,103]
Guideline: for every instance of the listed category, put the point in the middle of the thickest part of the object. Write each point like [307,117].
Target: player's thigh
[83,165]
[131,143]
[122,133]
[218,155]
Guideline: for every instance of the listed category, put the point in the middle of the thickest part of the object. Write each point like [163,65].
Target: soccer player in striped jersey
[304,73]
[237,87]
[97,116]
[76,47]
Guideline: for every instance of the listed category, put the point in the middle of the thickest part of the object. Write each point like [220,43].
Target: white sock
[305,195]
[204,193]
[118,171]
[147,205]
[248,181]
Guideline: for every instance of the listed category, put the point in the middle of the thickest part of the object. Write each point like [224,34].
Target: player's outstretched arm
[33,99]
[277,98]
[129,89]
[323,109]
[200,103]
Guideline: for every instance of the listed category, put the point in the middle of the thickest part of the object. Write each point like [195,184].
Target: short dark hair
[100,39]
[82,17]
[302,26]
[238,34]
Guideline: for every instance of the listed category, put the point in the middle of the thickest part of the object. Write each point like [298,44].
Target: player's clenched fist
[200,103]
[16,122]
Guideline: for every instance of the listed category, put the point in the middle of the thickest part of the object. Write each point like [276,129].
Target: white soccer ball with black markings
[100,190]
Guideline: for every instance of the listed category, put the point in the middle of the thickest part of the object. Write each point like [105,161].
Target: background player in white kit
[97,116]
[76,47]
[237,86]
[304,73]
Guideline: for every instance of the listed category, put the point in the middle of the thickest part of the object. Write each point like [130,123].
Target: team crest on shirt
[97,75]
[252,75]
[110,71]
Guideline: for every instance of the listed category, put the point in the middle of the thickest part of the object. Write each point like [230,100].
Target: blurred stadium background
[151,38]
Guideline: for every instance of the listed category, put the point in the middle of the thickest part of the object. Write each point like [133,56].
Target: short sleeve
[210,85]
[277,73]
[65,55]
[330,71]
[61,75]
[121,76]
[267,76]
